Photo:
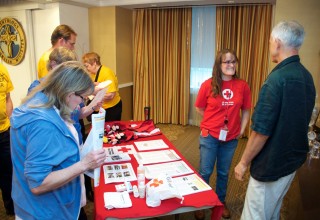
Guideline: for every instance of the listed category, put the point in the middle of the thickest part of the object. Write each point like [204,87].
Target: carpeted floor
[186,140]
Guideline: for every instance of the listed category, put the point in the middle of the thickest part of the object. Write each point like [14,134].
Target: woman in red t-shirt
[220,101]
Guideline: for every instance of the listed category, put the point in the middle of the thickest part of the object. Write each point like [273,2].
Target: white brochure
[190,184]
[159,156]
[115,173]
[101,85]
[94,141]
[176,168]
[113,155]
[117,200]
[151,145]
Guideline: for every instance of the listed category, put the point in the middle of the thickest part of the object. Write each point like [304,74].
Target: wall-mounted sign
[12,41]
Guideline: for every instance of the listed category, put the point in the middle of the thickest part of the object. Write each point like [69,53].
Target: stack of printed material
[113,155]
[117,200]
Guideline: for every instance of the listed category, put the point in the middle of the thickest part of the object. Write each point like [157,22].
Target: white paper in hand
[104,84]
[101,85]
[94,141]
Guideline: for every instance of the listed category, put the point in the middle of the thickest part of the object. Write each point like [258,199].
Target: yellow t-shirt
[5,88]
[42,64]
[107,74]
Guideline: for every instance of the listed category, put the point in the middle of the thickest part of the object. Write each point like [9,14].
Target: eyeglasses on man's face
[70,43]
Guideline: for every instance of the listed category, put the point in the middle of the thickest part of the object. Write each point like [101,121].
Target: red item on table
[140,208]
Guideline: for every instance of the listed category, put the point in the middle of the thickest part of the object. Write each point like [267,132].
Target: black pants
[83,130]
[114,113]
[82,215]
[6,171]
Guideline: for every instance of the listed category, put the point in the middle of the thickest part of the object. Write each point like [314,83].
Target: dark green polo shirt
[283,112]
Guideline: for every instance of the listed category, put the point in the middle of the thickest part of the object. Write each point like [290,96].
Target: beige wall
[38,22]
[111,32]
[102,29]
[126,94]
[124,42]
[307,13]
[111,37]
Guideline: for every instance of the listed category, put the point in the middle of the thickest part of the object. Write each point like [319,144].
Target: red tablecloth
[139,208]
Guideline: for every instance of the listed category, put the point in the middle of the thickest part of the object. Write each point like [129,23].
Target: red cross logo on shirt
[227,94]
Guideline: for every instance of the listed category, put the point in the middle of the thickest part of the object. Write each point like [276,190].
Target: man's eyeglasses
[229,62]
[69,42]
[72,43]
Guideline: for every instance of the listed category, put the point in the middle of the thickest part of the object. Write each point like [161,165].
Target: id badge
[223,134]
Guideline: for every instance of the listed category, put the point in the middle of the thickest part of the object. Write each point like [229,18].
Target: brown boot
[199,215]
[226,212]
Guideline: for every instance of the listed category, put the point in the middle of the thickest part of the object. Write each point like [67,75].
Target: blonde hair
[68,77]
[60,55]
[91,58]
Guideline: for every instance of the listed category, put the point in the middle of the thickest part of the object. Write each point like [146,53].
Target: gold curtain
[246,30]
[162,39]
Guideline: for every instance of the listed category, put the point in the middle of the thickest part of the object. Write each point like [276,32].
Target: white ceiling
[136,3]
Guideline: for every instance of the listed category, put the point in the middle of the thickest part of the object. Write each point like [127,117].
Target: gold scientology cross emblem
[8,38]
[12,41]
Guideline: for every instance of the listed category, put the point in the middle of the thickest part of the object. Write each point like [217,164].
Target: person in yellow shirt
[112,101]
[6,108]
[62,36]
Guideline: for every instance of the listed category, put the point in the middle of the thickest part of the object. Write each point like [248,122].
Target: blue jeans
[211,149]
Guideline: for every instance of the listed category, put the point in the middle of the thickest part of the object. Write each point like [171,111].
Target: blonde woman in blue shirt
[45,145]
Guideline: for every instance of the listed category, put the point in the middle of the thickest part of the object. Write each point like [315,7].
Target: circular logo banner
[12,41]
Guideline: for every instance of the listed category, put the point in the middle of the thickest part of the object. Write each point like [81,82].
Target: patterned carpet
[186,140]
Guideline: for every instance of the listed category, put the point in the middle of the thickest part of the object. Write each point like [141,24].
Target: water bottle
[141,180]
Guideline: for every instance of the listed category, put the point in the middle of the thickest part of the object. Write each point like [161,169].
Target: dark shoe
[9,207]
[199,215]
[10,212]
[226,212]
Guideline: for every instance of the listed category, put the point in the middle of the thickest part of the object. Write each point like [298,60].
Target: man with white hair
[278,144]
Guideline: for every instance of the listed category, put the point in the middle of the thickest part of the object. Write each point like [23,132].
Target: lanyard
[226,101]
[97,75]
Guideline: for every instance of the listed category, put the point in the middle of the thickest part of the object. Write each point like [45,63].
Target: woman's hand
[94,159]
[109,96]
[96,88]
[59,178]
[94,105]
[239,136]
[97,101]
